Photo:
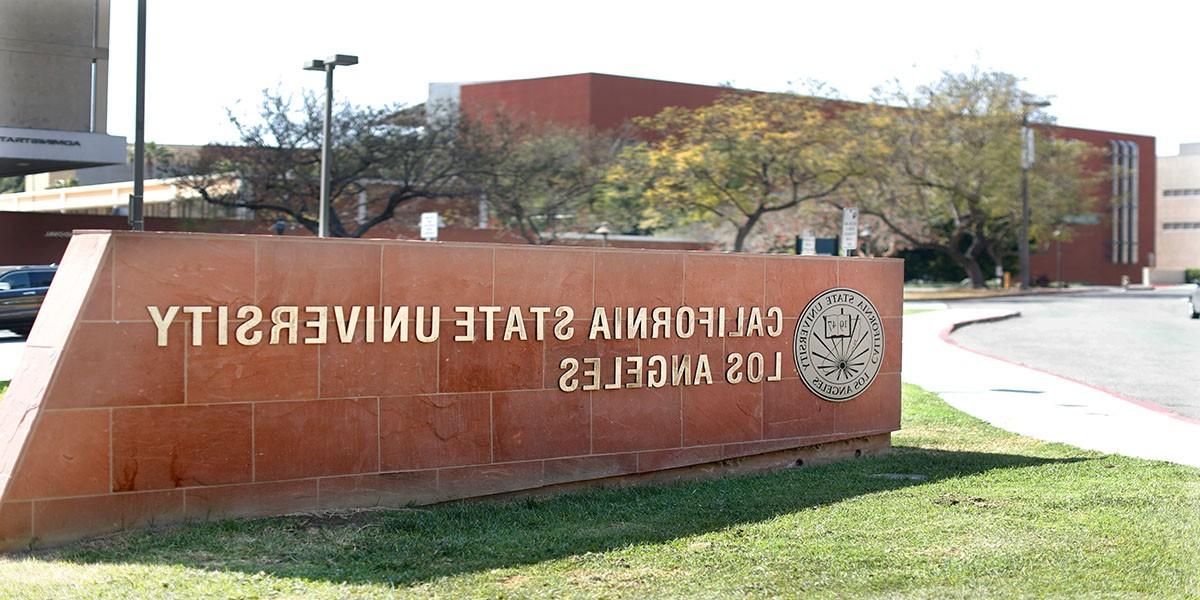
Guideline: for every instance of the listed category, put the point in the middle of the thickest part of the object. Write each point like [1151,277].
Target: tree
[943,169]
[275,166]
[9,185]
[736,161]
[538,180]
[157,158]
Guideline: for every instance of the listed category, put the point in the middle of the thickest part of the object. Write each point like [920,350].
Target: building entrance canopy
[26,151]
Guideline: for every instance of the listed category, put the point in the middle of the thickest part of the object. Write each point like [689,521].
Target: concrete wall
[113,422]
[47,49]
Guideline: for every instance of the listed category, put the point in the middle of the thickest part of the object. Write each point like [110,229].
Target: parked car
[1194,301]
[22,290]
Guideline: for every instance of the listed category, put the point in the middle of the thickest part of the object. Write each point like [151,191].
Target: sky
[1117,66]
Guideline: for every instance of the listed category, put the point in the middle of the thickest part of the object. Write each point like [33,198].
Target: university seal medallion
[839,344]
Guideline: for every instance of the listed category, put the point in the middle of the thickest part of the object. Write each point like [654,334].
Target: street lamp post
[1058,257]
[603,230]
[137,220]
[327,65]
[1026,163]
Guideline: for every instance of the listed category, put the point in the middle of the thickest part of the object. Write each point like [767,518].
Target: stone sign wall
[175,377]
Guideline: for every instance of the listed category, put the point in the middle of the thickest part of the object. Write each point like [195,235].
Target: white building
[54,77]
[1177,227]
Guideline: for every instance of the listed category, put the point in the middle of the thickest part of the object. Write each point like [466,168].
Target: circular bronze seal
[839,344]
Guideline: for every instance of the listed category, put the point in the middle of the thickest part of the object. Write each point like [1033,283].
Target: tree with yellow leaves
[736,161]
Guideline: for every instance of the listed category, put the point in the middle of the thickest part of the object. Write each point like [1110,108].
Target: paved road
[1033,402]
[1138,344]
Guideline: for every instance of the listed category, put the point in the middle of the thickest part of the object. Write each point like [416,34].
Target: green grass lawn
[959,509]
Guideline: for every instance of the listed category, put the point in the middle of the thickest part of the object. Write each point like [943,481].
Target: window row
[1182,192]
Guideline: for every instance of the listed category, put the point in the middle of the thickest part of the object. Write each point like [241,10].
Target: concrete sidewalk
[1036,403]
[11,349]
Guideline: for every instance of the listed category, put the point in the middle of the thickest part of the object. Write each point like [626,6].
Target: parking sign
[849,229]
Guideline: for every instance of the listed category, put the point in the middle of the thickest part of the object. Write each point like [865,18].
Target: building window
[1084,219]
[1125,176]
[1182,192]
[1181,225]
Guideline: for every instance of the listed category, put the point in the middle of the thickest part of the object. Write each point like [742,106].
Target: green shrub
[1191,275]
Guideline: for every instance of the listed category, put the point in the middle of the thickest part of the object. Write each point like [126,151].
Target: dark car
[22,290]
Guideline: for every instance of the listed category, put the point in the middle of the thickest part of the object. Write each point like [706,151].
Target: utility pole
[1027,158]
[136,220]
[327,65]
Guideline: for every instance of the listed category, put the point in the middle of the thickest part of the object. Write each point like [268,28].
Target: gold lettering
[681,369]
[222,325]
[489,327]
[541,312]
[563,329]
[703,370]
[734,373]
[599,325]
[776,313]
[319,324]
[253,315]
[593,373]
[634,371]
[197,313]
[741,323]
[685,316]
[754,367]
[616,382]
[162,323]
[658,377]
[706,319]
[635,323]
[660,319]
[285,317]
[434,324]
[756,322]
[370,332]
[515,325]
[467,323]
[346,327]
[397,325]
[567,381]
[778,368]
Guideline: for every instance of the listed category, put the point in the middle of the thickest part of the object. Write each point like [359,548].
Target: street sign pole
[137,221]
[808,243]
[429,226]
[849,231]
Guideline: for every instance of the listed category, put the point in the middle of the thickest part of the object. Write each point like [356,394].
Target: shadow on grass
[405,547]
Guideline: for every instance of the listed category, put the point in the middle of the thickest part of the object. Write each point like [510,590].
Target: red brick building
[1114,239]
[586,100]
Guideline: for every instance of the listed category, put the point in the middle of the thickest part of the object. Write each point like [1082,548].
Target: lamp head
[342,60]
[314,65]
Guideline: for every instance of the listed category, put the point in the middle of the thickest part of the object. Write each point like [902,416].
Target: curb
[945,337]
[1045,292]
[960,324]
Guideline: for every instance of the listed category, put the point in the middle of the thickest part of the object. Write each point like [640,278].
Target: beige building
[1177,230]
[54,87]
